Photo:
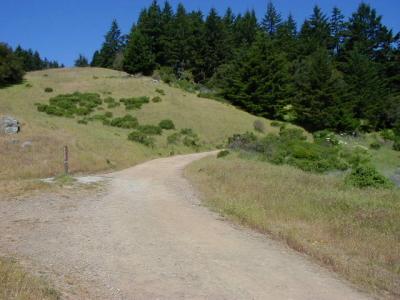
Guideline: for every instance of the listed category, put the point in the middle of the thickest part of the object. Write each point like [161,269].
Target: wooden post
[66,160]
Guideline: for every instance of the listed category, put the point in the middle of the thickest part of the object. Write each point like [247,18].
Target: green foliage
[187,131]
[156,99]
[192,141]
[69,105]
[150,129]
[142,138]
[160,91]
[388,134]
[134,103]
[365,176]
[174,138]
[259,126]
[375,145]
[396,144]
[127,121]
[81,61]
[48,90]
[223,153]
[291,147]
[276,124]
[11,70]
[166,124]
[325,136]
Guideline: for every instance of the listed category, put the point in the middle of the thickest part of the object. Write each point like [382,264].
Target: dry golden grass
[15,283]
[354,232]
[95,147]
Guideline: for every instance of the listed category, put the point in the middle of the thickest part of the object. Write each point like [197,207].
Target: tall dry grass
[354,232]
[15,283]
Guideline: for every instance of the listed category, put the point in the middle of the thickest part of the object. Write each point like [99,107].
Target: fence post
[66,160]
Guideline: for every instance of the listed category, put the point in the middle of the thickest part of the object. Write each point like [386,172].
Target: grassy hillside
[353,231]
[95,147]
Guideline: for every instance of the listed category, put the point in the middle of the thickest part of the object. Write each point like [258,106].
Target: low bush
[127,122]
[174,138]
[48,90]
[69,105]
[113,105]
[156,99]
[82,121]
[291,147]
[259,126]
[191,141]
[108,114]
[167,124]
[367,176]
[160,91]
[134,103]
[396,144]
[150,129]
[109,100]
[223,153]
[276,124]
[325,136]
[375,145]
[28,85]
[141,138]
[388,134]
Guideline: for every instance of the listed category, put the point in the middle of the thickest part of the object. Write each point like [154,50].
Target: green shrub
[367,176]
[187,131]
[109,100]
[223,153]
[396,144]
[388,134]
[167,124]
[82,121]
[134,103]
[150,129]
[28,85]
[106,122]
[113,105]
[259,126]
[48,90]
[375,145]
[156,99]
[160,91]
[174,138]
[325,136]
[292,134]
[276,124]
[191,141]
[108,114]
[69,105]
[127,121]
[141,138]
[99,117]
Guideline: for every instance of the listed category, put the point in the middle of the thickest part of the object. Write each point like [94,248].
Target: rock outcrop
[9,125]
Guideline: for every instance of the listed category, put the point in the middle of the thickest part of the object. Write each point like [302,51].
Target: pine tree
[10,66]
[321,100]
[245,29]
[166,37]
[138,56]
[286,38]
[81,61]
[315,32]
[272,20]
[338,30]
[111,46]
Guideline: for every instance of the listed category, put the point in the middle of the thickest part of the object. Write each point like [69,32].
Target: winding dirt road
[147,237]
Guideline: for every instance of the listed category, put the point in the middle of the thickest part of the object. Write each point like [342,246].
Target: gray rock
[26,144]
[9,125]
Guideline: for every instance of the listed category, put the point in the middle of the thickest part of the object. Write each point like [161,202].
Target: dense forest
[14,63]
[329,73]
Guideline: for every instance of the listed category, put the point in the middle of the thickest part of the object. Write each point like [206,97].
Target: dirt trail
[147,237]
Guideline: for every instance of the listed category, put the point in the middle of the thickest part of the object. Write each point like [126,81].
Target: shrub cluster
[396,144]
[364,176]
[48,90]
[142,138]
[156,99]
[111,103]
[128,122]
[150,129]
[222,153]
[160,91]
[69,105]
[134,102]
[167,124]
[291,147]
[190,139]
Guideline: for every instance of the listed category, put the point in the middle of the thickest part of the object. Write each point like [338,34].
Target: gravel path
[147,237]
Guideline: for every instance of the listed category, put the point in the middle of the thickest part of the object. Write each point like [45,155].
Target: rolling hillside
[95,147]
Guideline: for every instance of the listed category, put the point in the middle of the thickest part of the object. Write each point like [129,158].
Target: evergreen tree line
[14,63]
[329,73]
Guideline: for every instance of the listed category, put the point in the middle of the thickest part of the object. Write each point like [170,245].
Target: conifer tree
[138,56]
[111,46]
[272,20]
[11,70]
[338,30]
[81,61]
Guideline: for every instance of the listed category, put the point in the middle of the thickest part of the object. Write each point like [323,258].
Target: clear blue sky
[61,29]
